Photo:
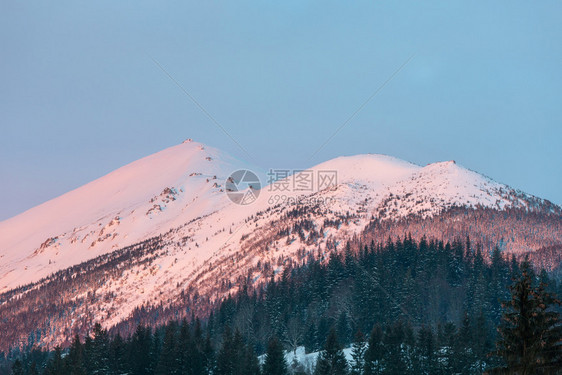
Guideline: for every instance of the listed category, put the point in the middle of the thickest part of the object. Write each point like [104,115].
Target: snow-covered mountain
[185,182]
[208,244]
[135,202]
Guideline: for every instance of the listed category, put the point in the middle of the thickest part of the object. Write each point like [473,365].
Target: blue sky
[80,95]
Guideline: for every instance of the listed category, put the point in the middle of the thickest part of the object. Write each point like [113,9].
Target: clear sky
[80,94]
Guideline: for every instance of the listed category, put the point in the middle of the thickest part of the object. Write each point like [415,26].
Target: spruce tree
[238,353]
[374,353]
[275,363]
[394,361]
[499,281]
[168,363]
[117,356]
[186,350]
[343,328]
[250,363]
[209,360]
[463,355]
[311,339]
[87,353]
[55,366]
[75,358]
[190,349]
[426,356]
[331,360]
[17,368]
[140,351]
[225,357]
[409,298]
[481,343]
[33,369]
[550,324]
[100,351]
[530,332]
[447,348]
[358,354]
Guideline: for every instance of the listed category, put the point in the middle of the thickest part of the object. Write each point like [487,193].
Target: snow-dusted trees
[274,363]
[331,360]
[530,332]
[389,290]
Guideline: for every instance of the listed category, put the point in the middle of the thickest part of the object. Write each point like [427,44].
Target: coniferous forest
[403,307]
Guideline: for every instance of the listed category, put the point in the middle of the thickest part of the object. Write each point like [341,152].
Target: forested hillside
[429,304]
[514,230]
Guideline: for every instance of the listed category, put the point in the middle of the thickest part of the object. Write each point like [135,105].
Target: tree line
[426,308]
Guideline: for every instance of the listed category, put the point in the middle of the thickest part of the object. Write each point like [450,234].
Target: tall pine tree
[358,354]
[530,332]
[331,360]
[275,363]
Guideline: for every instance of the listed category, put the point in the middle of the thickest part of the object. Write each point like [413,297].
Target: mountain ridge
[182,237]
[164,190]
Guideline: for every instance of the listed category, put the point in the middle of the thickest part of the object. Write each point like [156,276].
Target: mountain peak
[177,198]
[162,190]
[374,168]
[184,183]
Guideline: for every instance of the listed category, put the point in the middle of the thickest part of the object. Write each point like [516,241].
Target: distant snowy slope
[207,245]
[375,169]
[134,202]
[182,189]
[442,185]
